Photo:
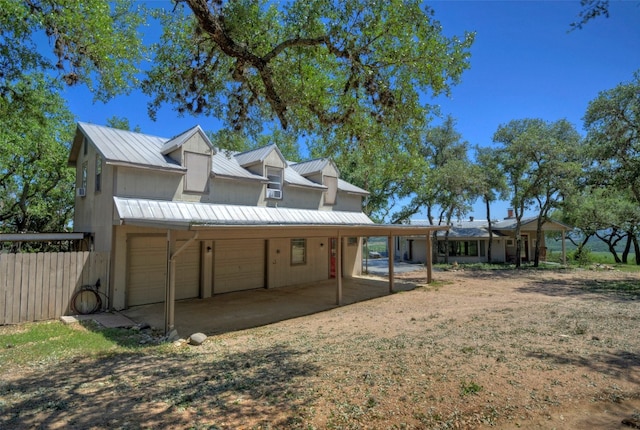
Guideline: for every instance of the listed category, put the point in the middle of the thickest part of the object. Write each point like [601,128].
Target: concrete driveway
[245,309]
[380,266]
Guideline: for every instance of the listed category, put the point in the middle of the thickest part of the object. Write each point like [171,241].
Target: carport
[223,232]
[183,224]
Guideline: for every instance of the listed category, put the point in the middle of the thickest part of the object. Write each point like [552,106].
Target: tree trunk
[627,248]
[490,230]
[613,252]
[580,246]
[536,258]
[446,247]
[636,248]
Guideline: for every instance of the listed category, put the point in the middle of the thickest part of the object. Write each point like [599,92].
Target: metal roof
[39,237]
[526,224]
[350,188]
[311,166]
[224,164]
[256,155]
[179,140]
[480,228]
[128,147]
[292,177]
[182,214]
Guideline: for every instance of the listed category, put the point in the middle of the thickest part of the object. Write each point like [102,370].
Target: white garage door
[188,271]
[147,267]
[147,258]
[239,265]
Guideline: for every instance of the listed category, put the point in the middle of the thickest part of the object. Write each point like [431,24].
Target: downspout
[170,284]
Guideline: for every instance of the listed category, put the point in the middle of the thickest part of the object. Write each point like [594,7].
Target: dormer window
[274,186]
[331,182]
[198,170]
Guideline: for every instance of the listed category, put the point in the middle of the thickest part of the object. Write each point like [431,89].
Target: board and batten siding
[39,286]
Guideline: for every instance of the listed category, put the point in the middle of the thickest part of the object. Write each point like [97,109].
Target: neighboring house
[468,241]
[183,219]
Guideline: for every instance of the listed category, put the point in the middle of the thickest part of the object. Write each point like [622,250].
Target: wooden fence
[39,286]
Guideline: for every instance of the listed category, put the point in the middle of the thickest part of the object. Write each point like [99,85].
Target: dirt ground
[475,350]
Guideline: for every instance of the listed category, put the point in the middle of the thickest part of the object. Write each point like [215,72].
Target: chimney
[509,213]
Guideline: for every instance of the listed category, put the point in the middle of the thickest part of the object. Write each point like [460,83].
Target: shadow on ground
[620,289]
[624,365]
[153,391]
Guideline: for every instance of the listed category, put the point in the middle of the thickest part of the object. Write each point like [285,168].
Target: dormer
[192,150]
[322,171]
[268,162]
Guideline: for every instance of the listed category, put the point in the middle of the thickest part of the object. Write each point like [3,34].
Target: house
[183,219]
[468,241]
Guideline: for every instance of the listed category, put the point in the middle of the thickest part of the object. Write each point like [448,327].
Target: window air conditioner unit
[81,192]
[274,194]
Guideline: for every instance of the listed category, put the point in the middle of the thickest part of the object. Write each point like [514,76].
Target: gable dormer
[192,150]
[322,171]
[268,162]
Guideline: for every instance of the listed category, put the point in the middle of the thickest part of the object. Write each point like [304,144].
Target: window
[274,186]
[460,248]
[85,146]
[298,251]
[352,241]
[83,179]
[98,173]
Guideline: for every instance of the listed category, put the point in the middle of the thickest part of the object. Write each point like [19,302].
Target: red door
[333,250]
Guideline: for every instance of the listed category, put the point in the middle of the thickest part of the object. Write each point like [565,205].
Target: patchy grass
[38,344]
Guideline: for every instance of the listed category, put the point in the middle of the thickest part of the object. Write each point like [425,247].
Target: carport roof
[202,216]
[185,214]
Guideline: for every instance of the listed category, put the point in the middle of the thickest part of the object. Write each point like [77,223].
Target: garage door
[188,271]
[147,258]
[239,265]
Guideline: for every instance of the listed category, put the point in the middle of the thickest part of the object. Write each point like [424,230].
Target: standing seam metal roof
[122,146]
[126,146]
[311,166]
[168,212]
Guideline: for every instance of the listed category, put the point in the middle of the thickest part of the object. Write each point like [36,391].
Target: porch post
[339,270]
[429,258]
[564,253]
[170,287]
[390,258]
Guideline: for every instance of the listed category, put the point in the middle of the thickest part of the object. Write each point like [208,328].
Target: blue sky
[525,64]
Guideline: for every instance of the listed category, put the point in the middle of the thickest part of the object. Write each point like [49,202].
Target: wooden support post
[564,250]
[339,270]
[390,258]
[170,283]
[170,287]
[428,264]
